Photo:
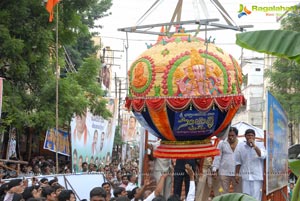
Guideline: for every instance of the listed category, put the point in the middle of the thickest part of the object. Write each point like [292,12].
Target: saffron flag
[160,37]
[49,7]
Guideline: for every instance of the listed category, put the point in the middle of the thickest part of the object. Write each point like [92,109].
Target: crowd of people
[239,168]
[43,189]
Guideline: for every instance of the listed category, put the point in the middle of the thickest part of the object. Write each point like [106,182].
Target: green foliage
[28,62]
[291,21]
[118,136]
[282,43]
[234,196]
[284,74]
[285,86]
[294,165]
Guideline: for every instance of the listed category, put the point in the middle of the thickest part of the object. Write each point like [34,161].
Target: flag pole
[56,91]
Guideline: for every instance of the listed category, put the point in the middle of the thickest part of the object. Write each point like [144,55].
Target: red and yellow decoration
[184,91]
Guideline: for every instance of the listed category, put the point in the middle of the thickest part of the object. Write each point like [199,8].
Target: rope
[148,12]
[223,12]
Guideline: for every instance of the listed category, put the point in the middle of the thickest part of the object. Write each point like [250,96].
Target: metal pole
[126,48]
[119,105]
[116,86]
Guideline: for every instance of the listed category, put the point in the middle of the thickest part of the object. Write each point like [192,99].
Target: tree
[285,74]
[27,62]
[285,86]
[118,136]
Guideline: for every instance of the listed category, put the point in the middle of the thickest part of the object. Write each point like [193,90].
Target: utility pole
[119,105]
[116,85]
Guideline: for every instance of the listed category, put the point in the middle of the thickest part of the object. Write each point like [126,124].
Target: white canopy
[243,126]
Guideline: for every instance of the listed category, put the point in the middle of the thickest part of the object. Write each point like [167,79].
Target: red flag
[49,7]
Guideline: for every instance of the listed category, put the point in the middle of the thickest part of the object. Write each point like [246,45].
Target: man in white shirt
[224,164]
[15,186]
[132,182]
[249,158]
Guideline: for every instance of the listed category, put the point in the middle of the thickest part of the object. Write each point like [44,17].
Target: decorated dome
[184,90]
[184,66]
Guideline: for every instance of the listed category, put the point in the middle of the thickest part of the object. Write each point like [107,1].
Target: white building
[254,88]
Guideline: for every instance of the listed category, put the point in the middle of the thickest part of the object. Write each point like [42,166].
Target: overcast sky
[127,14]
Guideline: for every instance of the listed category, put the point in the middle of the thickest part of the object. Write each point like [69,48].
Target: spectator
[46,168]
[13,170]
[48,193]
[44,182]
[138,193]
[124,181]
[97,194]
[36,170]
[53,182]
[14,186]
[66,195]
[107,187]
[122,199]
[158,189]
[57,189]
[118,180]
[85,167]
[3,190]
[132,179]
[26,171]
[32,192]
[119,191]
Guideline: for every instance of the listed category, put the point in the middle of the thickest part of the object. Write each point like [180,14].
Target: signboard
[194,123]
[277,146]
[62,139]
[93,137]
[130,128]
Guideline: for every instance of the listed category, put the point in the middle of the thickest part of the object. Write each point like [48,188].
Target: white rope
[148,12]
[223,12]
[198,4]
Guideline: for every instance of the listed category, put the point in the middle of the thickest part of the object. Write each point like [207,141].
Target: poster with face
[92,137]
[59,143]
[130,128]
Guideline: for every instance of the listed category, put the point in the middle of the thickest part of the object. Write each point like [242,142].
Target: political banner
[63,143]
[92,138]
